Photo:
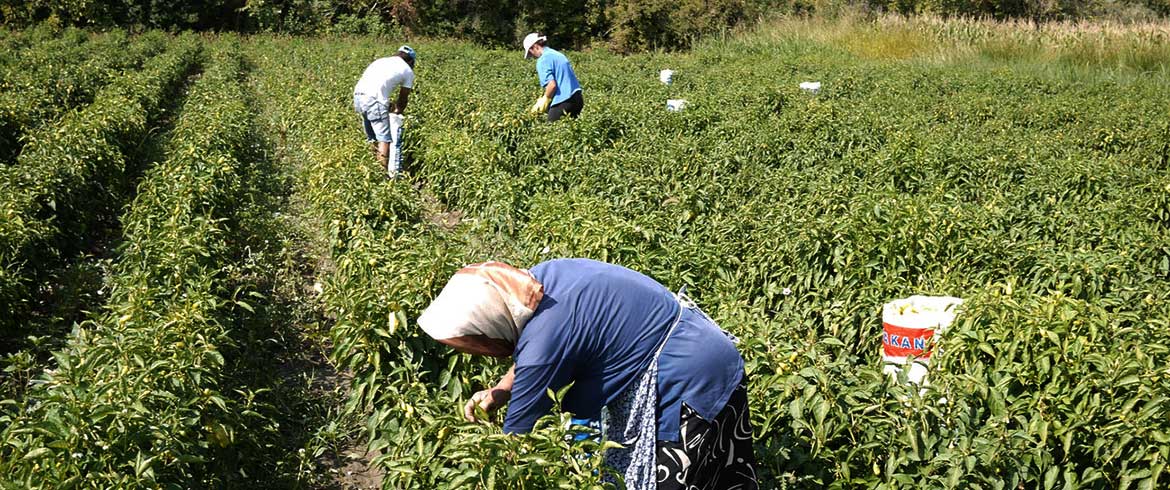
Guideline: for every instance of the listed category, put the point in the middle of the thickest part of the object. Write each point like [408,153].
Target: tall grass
[1141,48]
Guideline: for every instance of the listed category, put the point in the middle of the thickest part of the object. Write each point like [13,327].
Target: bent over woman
[672,380]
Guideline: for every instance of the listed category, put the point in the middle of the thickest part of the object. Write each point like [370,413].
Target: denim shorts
[375,118]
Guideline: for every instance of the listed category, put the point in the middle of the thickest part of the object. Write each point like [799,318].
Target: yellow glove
[540,106]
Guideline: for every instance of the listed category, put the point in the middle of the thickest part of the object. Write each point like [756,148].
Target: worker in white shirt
[381,118]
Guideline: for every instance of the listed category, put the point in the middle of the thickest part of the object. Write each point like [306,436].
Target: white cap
[530,39]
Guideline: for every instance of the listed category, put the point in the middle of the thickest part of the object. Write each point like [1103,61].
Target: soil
[357,473]
[437,213]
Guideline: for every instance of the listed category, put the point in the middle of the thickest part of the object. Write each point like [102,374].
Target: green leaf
[36,453]
[832,341]
[1050,477]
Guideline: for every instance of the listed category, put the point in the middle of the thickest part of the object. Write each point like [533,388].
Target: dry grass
[1141,47]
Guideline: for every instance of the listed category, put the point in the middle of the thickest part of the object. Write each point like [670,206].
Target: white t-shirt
[383,76]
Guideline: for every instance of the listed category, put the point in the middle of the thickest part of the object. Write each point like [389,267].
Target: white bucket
[675,105]
[810,87]
[666,76]
[908,329]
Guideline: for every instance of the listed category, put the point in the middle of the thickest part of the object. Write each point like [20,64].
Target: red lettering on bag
[902,341]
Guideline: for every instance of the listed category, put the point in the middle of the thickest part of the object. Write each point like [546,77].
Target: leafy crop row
[70,170]
[143,396]
[11,44]
[27,47]
[387,258]
[794,217]
[22,48]
[1040,198]
[52,81]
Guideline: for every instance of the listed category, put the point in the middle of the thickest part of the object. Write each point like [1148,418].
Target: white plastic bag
[675,105]
[394,159]
[811,87]
[666,76]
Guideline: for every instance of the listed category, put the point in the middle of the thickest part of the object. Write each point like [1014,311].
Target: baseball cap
[530,39]
[408,51]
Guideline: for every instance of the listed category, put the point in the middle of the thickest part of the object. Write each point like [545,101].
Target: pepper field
[210,284]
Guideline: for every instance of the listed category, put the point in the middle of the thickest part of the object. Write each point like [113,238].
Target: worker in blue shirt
[672,381]
[562,92]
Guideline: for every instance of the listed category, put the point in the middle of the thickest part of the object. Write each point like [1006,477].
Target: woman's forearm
[505,383]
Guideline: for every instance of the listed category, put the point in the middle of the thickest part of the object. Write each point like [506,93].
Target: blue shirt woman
[670,377]
[598,327]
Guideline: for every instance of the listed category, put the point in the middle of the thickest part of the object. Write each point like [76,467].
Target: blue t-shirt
[552,65]
[598,327]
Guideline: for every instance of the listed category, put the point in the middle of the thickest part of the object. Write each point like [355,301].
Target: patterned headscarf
[492,299]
